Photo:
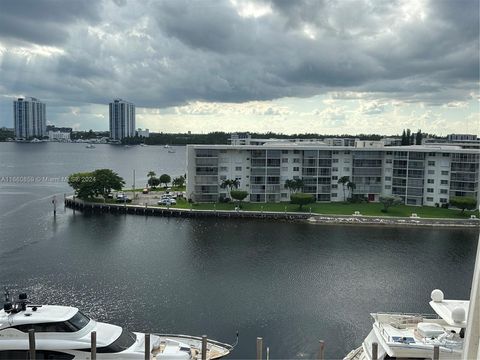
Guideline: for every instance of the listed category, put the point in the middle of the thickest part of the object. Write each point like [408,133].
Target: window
[238,168]
[430,181]
[346,169]
[285,160]
[296,151]
[334,195]
[389,152]
[443,200]
[335,177]
[388,178]
[284,151]
[431,163]
[347,152]
[334,160]
[296,169]
[431,172]
[284,195]
[223,168]
[432,154]
[444,172]
[76,323]
[335,152]
[334,186]
[429,190]
[124,341]
[444,182]
[284,168]
[430,199]
[296,160]
[443,191]
[388,187]
[445,155]
[388,161]
[223,177]
[335,169]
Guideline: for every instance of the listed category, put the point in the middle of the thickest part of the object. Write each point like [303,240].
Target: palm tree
[351,186]
[344,180]
[151,173]
[293,184]
[230,184]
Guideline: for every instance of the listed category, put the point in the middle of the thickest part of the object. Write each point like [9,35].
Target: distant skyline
[240,65]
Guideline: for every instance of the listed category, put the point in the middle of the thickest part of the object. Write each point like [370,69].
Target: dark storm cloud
[43,22]
[165,53]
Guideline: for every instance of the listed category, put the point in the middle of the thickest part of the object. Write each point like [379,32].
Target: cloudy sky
[347,66]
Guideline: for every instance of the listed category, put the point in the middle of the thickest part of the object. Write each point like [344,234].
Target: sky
[317,66]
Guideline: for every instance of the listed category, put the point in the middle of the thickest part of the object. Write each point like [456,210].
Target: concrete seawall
[84,206]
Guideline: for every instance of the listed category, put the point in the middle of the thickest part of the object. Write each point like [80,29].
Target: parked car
[123,198]
[145,191]
[167,201]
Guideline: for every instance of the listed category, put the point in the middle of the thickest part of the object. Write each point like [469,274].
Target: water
[291,283]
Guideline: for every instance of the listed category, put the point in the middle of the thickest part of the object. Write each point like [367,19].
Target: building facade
[122,119]
[420,175]
[29,117]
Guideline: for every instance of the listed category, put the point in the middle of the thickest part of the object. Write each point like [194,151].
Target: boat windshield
[123,342]
[78,321]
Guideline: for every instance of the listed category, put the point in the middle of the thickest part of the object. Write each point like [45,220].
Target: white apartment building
[143,133]
[29,117]
[55,135]
[122,119]
[420,175]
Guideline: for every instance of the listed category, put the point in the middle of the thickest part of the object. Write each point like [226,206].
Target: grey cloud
[168,53]
[44,22]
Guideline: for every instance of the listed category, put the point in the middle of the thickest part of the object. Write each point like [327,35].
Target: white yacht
[63,332]
[414,336]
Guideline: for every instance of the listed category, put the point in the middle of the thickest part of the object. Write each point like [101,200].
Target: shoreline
[308,218]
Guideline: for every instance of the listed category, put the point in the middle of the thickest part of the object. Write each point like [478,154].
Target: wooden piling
[321,350]
[31,344]
[436,352]
[147,346]
[93,341]
[374,351]
[259,348]
[204,347]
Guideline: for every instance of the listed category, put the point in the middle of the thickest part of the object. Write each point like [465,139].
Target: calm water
[293,284]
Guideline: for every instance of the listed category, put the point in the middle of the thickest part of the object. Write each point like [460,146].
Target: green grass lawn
[372,209]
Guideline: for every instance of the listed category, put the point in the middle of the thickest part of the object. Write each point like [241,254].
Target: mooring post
[321,350]
[31,343]
[268,353]
[259,348]
[93,345]
[204,347]
[436,352]
[374,351]
[147,346]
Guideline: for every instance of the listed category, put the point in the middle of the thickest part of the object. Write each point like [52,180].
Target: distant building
[143,133]
[58,135]
[61,129]
[340,141]
[29,117]
[122,119]
[419,174]
[461,137]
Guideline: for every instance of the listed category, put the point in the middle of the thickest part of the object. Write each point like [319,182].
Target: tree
[165,179]
[293,185]
[99,182]
[463,202]
[83,185]
[151,173]
[106,180]
[404,138]
[408,137]
[301,199]
[418,138]
[230,184]
[351,187]
[389,201]
[344,180]
[238,195]
[153,181]
[178,181]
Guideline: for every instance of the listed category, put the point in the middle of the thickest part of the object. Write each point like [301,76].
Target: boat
[453,332]
[166,146]
[171,151]
[64,332]
[414,336]
[90,146]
